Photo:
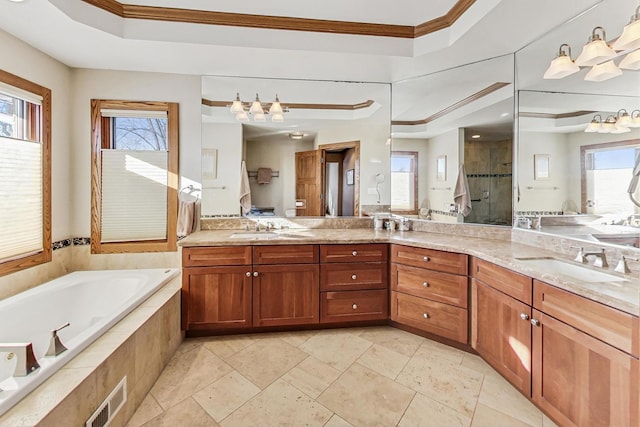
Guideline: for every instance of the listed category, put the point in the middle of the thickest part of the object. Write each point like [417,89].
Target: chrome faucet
[601,258]
[26,362]
[55,346]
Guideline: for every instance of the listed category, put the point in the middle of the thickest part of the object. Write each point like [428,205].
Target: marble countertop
[622,295]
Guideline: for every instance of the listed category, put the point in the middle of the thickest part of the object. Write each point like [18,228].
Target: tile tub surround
[341,377]
[622,296]
[139,346]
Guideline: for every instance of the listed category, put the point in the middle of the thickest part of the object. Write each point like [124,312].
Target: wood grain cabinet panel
[442,287]
[447,262]
[350,306]
[353,276]
[369,252]
[430,316]
[509,282]
[213,256]
[285,254]
[579,380]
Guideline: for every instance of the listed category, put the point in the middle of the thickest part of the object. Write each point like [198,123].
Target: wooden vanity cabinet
[429,291]
[500,321]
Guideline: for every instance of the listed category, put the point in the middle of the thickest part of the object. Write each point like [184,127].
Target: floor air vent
[109,408]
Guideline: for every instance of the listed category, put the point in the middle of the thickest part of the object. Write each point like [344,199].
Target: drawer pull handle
[425,315]
[425,258]
[354,253]
[425,284]
[355,306]
[354,277]
[524,316]
[255,274]
[535,322]
[248,273]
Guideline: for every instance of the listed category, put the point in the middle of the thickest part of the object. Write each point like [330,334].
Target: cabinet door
[579,380]
[285,295]
[501,334]
[216,298]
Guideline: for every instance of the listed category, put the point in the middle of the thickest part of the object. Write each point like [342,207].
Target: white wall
[134,86]
[448,144]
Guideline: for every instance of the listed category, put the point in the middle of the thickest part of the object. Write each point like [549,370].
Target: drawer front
[285,254]
[342,277]
[354,253]
[350,306]
[511,283]
[440,319]
[612,326]
[447,262]
[434,285]
[208,256]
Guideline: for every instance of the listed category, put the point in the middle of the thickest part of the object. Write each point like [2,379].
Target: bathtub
[91,301]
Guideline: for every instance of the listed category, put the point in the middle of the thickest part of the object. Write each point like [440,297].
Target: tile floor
[343,377]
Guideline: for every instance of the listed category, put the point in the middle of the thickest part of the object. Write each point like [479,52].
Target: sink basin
[254,236]
[569,269]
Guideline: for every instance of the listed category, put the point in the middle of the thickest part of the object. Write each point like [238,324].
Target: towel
[186,215]
[245,190]
[263,176]
[461,194]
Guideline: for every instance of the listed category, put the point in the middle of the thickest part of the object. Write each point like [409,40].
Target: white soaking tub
[90,301]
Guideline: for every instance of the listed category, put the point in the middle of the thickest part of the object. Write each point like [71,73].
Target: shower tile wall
[488,168]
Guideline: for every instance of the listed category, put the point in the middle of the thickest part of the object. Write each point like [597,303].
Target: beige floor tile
[547,422]
[186,413]
[147,410]
[226,395]
[226,347]
[336,421]
[383,361]
[498,394]
[312,376]
[487,417]
[189,344]
[187,373]
[366,398]
[297,338]
[338,350]
[265,361]
[280,404]
[476,363]
[437,375]
[394,339]
[441,351]
[426,412]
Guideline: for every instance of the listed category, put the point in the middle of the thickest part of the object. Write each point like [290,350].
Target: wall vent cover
[110,406]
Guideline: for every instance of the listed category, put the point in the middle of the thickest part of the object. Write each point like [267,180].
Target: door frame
[339,146]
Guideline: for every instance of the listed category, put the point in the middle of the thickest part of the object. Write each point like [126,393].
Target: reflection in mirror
[448,126]
[311,148]
[574,124]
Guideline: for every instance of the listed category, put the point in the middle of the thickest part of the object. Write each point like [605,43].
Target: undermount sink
[262,235]
[569,269]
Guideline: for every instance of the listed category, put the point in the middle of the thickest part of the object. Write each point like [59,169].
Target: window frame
[101,138]
[414,165]
[40,126]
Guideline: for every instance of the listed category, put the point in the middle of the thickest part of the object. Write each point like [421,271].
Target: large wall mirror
[574,177]
[325,153]
[449,119]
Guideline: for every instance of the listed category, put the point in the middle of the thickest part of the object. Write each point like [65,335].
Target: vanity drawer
[216,255]
[349,306]
[439,319]
[447,262]
[612,326]
[435,285]
[285,254]
[509,282]
[339,277]
[354,253]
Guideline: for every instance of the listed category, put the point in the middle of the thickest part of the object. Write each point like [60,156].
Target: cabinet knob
[248,273]
[354,277]
[425,284]
[524,316]
[355,306]
[354,253]
[255,274]
[425,315]
[425,258]
[535,322]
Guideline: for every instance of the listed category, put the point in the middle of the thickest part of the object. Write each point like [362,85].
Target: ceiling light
[475,136]
[630,37]
[608,126]
[635,119]
[596,51]
[602,72]
[257,110]
[296,135]
[237,107]
[623,119]
[631,61]
[256,107]
[562,65]
[276,108]
[259,117]
[242,116]
[277,118]
[595,125]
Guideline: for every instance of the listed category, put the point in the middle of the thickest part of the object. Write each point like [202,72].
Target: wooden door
[501,333]
[309,183]
[216,297]
[286,294]
[579,380]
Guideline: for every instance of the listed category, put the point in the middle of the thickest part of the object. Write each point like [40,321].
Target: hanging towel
[245,190]
[186,215]
[461,194]
[263,175]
